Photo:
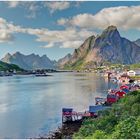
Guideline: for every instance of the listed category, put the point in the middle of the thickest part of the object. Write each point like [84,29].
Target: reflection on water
[30,105]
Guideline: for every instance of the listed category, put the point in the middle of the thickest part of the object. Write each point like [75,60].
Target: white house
[131,73]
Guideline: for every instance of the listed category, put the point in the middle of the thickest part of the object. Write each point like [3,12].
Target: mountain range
[109,47]
[29,62]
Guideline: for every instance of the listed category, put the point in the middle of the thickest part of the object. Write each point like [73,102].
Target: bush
[127,129]
[122,121]
[98,134]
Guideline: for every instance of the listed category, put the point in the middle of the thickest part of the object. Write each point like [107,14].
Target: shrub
[122,121]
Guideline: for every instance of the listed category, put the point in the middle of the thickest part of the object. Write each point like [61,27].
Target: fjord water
[31,106]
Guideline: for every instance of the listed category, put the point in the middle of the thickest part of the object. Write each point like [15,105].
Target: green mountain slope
[120,122]
[5,66]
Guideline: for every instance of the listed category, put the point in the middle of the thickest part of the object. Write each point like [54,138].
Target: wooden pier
[68,115]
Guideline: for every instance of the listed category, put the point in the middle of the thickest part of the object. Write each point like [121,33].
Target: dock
[68,115]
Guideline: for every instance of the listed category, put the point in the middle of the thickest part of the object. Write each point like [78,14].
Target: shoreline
[66,131]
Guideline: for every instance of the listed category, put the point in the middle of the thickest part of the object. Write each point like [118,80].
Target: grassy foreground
[120,122]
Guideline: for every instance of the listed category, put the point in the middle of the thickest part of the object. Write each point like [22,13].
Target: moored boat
[42,75]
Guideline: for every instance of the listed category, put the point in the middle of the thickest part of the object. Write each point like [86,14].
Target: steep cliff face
[137,42]
[83,50]
[31,61]
[79,54]
[111,47]
[108,47]
[61,62]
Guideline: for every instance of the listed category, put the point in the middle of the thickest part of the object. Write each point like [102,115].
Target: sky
[57,28]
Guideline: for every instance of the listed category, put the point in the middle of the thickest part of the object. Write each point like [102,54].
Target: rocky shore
[65,132]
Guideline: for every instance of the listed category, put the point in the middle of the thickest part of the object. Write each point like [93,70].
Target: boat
[99,100]
[42,75]
[8,74]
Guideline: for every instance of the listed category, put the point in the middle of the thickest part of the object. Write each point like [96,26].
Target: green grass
[135,66]
[78,65]
[120,122]
[137,77]
[81,65]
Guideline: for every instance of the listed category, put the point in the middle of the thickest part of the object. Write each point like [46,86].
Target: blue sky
[57,28]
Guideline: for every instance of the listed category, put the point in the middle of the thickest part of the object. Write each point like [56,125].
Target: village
[127,82]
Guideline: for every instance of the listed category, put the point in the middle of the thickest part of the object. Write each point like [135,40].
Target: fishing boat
[42,75]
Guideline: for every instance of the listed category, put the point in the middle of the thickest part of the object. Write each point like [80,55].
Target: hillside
[121,122]
[29,62]
[5,66]
[63,61]
[107,47]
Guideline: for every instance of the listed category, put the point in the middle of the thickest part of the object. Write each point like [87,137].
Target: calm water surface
[31,106]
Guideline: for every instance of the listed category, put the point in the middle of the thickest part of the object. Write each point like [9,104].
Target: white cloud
[32,7]
[123,17]
[13,4]
[71,37]
[5,33]
[57,5]
[67,38]
[50,45]
[5,36]
[64,44]
[71,44]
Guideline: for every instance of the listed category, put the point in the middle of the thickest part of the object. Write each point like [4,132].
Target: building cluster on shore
[122,77]
[125,85]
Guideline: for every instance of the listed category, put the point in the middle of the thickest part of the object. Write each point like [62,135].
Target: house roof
[96,108]
[67,109]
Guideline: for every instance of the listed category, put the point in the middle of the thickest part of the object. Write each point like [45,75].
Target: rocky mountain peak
[110,32]
[137,42]
[18,53]
[32,54]
[111,27]
[44,56]
[107,47]
[31,61]
[8,55]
